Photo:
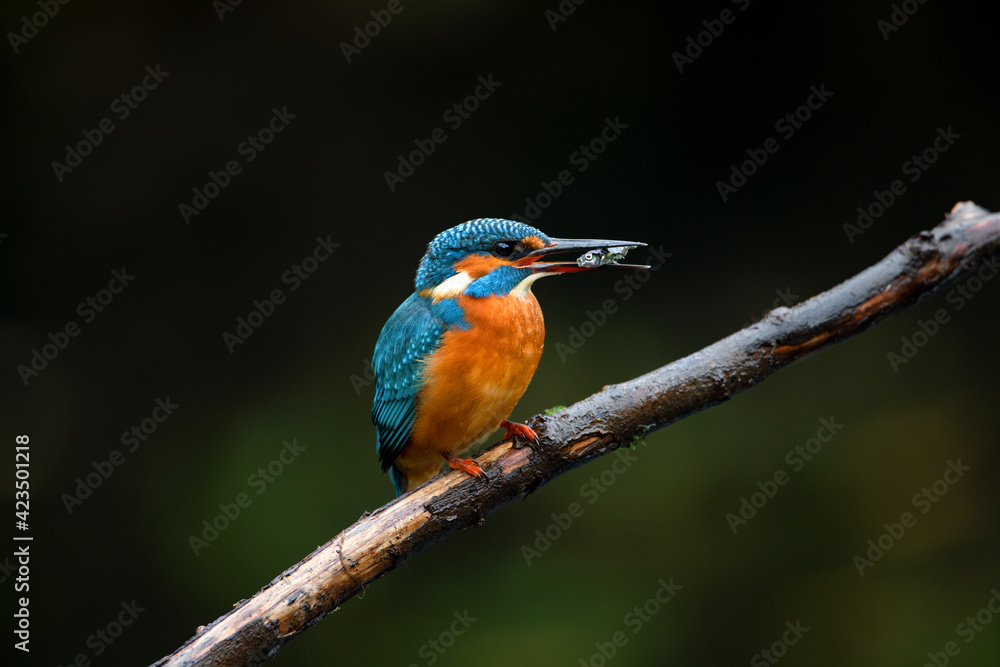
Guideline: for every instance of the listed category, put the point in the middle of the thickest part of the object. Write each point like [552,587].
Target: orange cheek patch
[478,266]
[533,242]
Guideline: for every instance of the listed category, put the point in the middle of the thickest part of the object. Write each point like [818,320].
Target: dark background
[301,374]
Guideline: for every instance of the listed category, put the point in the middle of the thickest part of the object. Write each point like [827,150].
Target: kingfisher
[457,355]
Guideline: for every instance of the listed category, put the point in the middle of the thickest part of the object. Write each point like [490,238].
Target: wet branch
[381,541]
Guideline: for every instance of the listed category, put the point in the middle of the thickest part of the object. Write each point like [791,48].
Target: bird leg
[467,465]
[514,429]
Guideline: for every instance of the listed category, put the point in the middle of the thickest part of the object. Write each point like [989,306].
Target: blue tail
[398,480]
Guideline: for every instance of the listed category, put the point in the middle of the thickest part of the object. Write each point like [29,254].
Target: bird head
[490,256]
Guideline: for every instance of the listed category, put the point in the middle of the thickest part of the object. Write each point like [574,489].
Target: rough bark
[617,416]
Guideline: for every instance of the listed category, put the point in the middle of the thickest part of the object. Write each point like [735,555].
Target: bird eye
[503,248]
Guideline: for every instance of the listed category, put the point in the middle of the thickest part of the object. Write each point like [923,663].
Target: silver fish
[603,256]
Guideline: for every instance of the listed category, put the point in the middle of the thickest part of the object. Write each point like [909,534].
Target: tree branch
[381,541]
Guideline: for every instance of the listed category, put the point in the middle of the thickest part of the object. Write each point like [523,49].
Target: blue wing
[413,332]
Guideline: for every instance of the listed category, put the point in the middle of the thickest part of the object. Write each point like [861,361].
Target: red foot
[468,465]
[514,429]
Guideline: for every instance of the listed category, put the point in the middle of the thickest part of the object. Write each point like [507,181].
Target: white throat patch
[452,286]
[523,287]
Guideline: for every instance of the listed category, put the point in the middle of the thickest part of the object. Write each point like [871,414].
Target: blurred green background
[780,237]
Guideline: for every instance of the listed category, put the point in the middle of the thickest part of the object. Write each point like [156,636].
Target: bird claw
[515,430]
[465,465]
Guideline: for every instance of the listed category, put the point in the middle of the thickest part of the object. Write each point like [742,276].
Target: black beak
[598,255]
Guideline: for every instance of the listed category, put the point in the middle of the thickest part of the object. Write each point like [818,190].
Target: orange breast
[475,378]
